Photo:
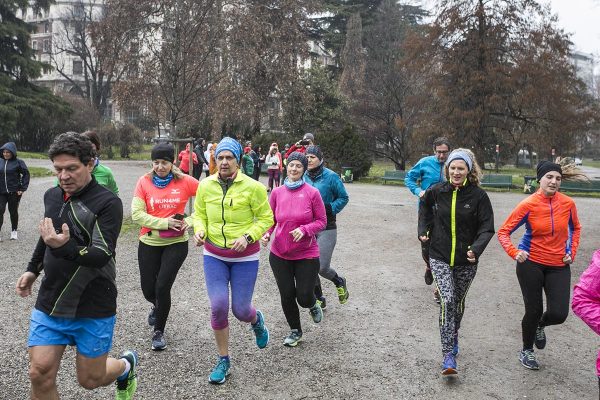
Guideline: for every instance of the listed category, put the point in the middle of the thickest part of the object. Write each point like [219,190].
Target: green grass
[143,155]
[380,166]
[28,154]
[39,172]
[591,163]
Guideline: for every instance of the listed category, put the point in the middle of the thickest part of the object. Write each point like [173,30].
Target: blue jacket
[333,193]
[428,170]
[14,175]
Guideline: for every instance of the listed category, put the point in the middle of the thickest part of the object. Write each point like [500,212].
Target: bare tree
[81,51]
[180,61]
[388,106]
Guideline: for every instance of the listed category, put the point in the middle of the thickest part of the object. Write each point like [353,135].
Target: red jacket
[184,157]
[552,228]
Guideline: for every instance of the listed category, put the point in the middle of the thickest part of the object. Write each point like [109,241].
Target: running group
[233,215]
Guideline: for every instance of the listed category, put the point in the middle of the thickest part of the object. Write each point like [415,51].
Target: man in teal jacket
[425,173]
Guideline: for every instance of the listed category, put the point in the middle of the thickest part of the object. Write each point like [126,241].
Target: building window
[34,44]
[46,45]
[77,67]
[132,115]
[46,27]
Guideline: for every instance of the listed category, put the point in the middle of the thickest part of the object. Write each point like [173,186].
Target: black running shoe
[540,337]
[152,317]
[428,277]
[158,341]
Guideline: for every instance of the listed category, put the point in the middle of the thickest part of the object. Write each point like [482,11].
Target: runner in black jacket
[14,180]
[456,217]
[76,304]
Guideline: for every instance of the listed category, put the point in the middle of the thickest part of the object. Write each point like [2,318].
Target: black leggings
[159,266]
[296,281]
[556,283]
[13,200]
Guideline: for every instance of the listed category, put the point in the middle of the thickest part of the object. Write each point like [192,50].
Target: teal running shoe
[260,330]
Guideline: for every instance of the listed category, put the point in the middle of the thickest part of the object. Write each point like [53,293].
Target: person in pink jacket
[299,215]
[586,300]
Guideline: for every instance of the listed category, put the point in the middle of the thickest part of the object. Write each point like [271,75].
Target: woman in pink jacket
[299,215]
[586,299]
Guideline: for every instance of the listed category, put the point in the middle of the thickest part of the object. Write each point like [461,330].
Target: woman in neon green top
[231,213]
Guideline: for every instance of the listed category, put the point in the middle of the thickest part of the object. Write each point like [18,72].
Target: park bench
[572,186]
[497,181]
[395,175]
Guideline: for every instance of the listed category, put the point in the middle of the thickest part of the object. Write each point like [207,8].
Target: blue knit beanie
[315,151]
[297,156]
[230,144]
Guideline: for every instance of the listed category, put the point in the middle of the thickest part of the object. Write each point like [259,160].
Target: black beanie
[544,167]
[164,151]
[297,156]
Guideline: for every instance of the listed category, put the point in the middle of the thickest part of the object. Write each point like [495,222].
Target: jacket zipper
[551,215]
[223,217]
[453,226]
[5,179]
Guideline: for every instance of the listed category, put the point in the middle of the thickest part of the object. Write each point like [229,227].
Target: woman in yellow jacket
[231,213]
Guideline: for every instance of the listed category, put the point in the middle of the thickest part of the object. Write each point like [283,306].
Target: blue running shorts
[92,336]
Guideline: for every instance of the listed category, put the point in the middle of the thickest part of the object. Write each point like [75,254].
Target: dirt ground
[384,343]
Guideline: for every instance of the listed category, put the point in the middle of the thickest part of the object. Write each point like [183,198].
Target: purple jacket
[302,208]
[586,298]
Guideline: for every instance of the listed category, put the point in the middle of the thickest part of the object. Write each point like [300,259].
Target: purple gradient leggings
[241,276]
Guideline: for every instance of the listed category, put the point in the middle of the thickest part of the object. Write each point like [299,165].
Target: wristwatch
[248,238]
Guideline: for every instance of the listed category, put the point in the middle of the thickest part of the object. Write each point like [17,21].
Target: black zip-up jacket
[456,221]
[79,277]
[14,175]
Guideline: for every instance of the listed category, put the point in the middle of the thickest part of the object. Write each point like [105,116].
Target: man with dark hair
[425,173]
[77,299]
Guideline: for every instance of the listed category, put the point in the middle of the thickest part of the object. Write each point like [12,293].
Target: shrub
[346,148]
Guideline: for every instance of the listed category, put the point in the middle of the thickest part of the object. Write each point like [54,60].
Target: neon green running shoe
[127,387]
[342,291]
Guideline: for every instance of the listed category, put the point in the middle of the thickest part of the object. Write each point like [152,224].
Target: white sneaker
[13,235]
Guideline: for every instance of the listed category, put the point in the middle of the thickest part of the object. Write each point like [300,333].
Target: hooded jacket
[586,298]
[456,220]
[14,175]
[333,193]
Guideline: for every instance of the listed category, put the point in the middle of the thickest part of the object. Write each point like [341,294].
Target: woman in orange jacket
[543,256]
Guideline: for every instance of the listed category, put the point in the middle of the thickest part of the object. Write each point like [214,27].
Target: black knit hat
[544,167]
[163,151]
[297,156]
[315,150]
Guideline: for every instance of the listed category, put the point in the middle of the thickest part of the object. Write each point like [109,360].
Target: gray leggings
[326,240]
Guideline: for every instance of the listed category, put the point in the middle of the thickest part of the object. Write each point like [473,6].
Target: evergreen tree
[27,112]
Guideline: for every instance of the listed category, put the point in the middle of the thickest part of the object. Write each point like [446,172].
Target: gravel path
[383,343]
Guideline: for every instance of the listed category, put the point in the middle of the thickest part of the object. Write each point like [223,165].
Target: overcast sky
[581,18]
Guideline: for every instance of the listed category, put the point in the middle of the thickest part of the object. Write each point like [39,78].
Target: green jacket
[247,165]
[227,210]
[105,177]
